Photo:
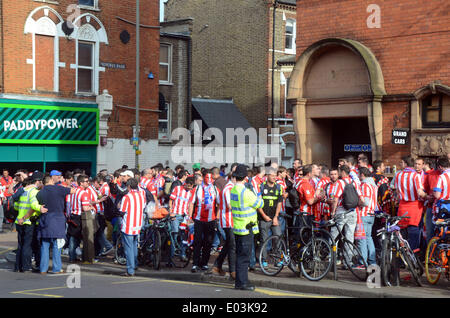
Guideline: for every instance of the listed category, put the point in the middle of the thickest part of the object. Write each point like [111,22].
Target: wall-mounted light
[151,76]
[103,141]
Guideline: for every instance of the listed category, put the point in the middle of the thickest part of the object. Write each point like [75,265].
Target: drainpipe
[273,62]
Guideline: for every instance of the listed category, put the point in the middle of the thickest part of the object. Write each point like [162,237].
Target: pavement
[346,285]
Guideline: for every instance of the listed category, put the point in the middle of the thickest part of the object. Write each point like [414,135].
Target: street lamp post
[137,128]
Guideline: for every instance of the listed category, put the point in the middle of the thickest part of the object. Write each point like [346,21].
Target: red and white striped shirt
[205,209]
[335,190]
[181,199]
[306,192]
[93,196]
[149,184]
[407,183]
[225,216]
[78,200]
[256,184]
[443,185]
[321,207]
[370,192]
[133,206]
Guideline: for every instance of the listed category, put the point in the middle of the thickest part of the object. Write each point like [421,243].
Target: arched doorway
[336,90]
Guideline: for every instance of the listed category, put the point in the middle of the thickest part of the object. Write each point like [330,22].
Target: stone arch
[101,35]
[296,91]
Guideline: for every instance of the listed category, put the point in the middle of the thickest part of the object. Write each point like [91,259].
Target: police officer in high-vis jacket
[244,204]
[29,210]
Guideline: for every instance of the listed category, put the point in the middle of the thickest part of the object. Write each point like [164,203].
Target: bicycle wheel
[410,265]
[433,264]
[276,258]
[354,261]
[387,263]
[119,255]
[156,249]
[316,259]
[305,235]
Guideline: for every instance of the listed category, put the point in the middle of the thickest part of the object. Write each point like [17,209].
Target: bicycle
[168,239]
[346,251]
[394,249]
[149,248]
[438,253]
[119,254]
[281,252]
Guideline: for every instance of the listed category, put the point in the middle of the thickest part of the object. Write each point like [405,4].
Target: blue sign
[358,148]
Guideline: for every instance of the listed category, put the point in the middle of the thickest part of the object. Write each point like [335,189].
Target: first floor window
[89,3]
[164,63]
[85,67]
[290,36]
[436,111]
[164,122]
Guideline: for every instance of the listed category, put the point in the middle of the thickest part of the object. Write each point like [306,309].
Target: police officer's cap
[37,176]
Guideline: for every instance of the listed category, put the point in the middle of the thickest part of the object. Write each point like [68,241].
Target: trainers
[194,269]
[358,267]
[107,251]
[264,264]
[218,271]
[205,268]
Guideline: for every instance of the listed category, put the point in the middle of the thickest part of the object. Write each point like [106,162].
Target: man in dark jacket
[52,224]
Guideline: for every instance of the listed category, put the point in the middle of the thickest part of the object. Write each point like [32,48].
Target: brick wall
[411,45]
[230,45]
[120,83]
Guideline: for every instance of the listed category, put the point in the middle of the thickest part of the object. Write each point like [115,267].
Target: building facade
[235,56]
[68,83]
[371,77]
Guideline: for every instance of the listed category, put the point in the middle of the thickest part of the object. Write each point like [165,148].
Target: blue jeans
[219,234]
[367,246]
[175,233]
[73,244]
[45,255]
[130,244]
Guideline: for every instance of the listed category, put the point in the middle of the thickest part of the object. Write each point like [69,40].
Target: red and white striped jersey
[354,175]
[306,192]
[407,183]
[181,199]
[225,216]
[334,190]
[93,196]
[79,199]
[283,186]
[204,200]
[133,206]
[443,185]
[104,191]
[256,184]
[150,185]
[321,207]
[370,192]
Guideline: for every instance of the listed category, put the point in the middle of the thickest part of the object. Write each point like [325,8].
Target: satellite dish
[67,29]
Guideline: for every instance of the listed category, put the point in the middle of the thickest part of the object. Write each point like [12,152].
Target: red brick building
[371,68]
[49,66]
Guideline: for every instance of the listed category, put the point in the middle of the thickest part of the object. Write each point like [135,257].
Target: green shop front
[43,135]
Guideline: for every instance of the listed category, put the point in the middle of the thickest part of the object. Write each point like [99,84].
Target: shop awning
[221,114]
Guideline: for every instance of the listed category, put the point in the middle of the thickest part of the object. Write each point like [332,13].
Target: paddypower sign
[36,124]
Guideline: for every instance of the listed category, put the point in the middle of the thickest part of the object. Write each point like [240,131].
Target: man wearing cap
[244,204]
[56,177]
[29,211]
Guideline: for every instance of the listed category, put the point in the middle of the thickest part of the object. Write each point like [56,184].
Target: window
[85,67]
[290,36]
[436,111]
[164,122]
[165,57]
[87,3]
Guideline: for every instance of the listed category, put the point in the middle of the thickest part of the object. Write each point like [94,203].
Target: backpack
[293,198]
[350,197]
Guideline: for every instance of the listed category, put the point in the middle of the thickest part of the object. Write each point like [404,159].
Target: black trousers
[203,237]
[243,251]
[229,249]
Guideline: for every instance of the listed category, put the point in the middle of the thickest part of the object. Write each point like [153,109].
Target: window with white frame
[290,36]
[165,61]
[85,67]
[164,121]
[88,3]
